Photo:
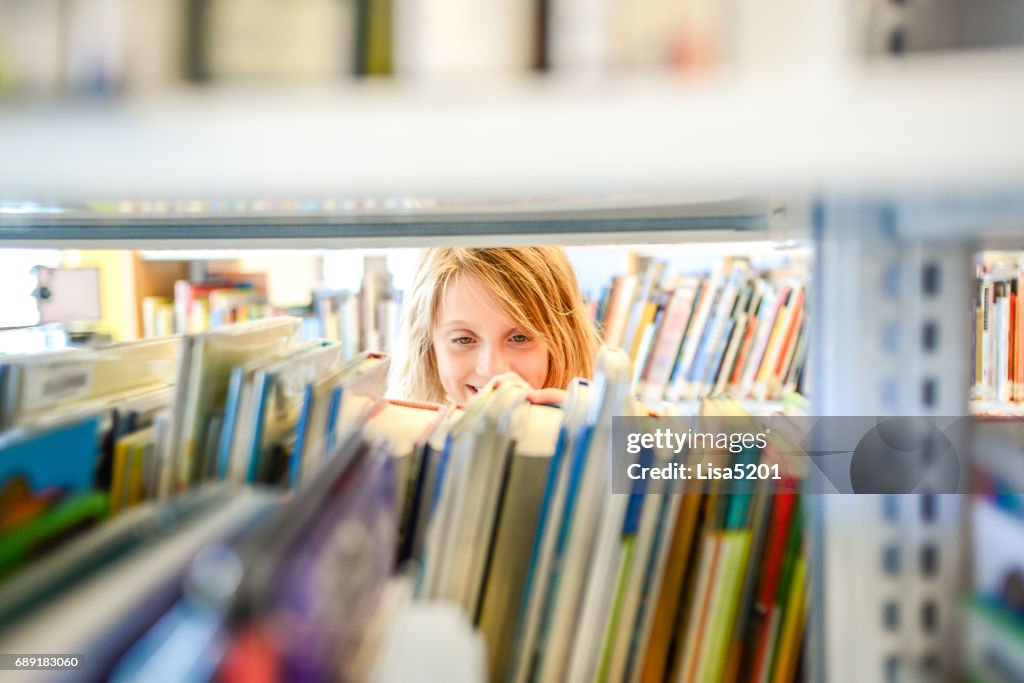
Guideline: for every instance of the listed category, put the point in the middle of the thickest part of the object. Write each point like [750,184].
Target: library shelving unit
[896,174]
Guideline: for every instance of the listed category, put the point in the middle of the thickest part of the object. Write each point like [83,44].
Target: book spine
[774,341]
[764,330]
[694,336]
[667,348]
[1019,338]
[709,343]
[1002,347]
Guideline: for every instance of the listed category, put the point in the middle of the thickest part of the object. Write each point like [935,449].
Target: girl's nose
[492,362]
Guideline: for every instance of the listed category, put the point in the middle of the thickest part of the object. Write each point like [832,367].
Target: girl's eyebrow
[455,323]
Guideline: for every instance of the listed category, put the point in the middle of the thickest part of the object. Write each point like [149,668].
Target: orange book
[771,352]
[790,336]
[786,353]
[1019,338]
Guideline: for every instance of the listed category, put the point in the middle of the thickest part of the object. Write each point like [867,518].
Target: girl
[473,314]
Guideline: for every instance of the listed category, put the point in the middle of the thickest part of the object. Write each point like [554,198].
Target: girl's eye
[519,338]
[462,341]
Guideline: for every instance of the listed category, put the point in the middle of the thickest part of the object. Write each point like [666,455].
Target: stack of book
[78,437]
[501,507]
[736,333]
[995,608]
[367,320]
[662,583]
[196,572]
[997,334]
[201,306]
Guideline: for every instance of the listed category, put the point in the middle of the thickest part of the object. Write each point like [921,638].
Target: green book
[50,528]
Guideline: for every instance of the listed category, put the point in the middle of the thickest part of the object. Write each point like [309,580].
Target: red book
[748,342]
[251,658]
[771,573]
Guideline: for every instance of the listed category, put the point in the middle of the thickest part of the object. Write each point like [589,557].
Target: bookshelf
[893,232]
[927,121]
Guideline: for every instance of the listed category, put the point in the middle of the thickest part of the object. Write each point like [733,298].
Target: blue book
[631,521]
[295,466]
[576,467]
[264,385]
[61,457]
[709,373]
[332,420]
[230,422]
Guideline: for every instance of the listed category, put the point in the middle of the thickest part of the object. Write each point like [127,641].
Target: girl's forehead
[467,300]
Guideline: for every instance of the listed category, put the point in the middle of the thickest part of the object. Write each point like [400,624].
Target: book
[105,612]
[665,347]
[204,373]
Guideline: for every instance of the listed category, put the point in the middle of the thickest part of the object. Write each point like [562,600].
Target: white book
[442,38]
[599,592]
[442,530]
[430,641]
[503,420]
[580,36]
[37,384]
[1003,369]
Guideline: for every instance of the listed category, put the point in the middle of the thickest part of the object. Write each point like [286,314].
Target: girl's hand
[550,396]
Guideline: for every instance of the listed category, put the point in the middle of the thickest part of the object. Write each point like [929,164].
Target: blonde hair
[538,288]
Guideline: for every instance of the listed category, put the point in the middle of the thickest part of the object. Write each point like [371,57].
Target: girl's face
[475,339]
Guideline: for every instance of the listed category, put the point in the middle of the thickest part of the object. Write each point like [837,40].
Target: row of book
[567,582]
[997,334]
[145,523]
[736,332]
[367,320]
[112,44]
[364,320]
[199,306]
[499,507]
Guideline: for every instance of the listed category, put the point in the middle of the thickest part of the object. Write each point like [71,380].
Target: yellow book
[771,351]
[791,635]
[126,478]
[135,492]
[117,483]
[736,545]
[646,319]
